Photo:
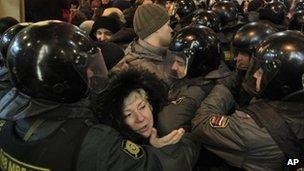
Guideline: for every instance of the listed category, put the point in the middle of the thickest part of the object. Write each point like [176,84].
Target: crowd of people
[153,85]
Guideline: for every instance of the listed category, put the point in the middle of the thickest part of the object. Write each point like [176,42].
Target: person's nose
[170,30]
[174,66]
[102,37]
[239,58]
[139,117]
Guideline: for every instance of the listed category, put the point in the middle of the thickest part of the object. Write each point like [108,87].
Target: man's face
[164,35]
[179,67]
[103,34]
[242,61]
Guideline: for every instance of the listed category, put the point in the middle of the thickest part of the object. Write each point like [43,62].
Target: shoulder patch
[132,149]
[228,56]
[178,100]
[219,121]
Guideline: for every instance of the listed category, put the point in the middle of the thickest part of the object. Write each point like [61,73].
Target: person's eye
[108,33]
[142,107]
[127,115]
[180,63]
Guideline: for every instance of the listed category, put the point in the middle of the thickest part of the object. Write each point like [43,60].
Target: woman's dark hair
[108,106]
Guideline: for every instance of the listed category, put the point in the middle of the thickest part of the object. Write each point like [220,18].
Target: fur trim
[108,106]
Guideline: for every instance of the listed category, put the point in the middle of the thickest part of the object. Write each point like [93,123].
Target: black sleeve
[179,112]
[181,156]
[104,149]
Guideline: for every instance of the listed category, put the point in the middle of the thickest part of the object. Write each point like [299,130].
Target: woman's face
[138,114]
[103,34]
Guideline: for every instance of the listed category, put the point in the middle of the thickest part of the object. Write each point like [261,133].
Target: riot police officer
[5,40]
[5,24]
[185,10]
[207,18]
[46,123]
[227,13]
[229,24]
[274,13]
[195,62]
[244,43]
[269,131]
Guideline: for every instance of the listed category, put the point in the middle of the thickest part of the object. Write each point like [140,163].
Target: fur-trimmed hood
[108,106]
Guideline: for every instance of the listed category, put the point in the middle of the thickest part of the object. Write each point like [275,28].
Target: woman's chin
[147,133]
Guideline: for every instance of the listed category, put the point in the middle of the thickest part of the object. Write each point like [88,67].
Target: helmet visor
[96,71]
[259,75]
[176,64]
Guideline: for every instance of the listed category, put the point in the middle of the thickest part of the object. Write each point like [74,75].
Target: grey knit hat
[149,18]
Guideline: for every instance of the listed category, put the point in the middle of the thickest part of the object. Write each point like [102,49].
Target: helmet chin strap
[303,81]
[188,53]
[294,95]
[297,94]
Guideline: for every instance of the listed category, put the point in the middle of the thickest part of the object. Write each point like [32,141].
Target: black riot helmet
[185,7]
[255,5]
[297,21]
[202,5]
[9,35]
[248,37]
[299,6]
[55,61]
[227,12]
[6,23]
[274,11]
[279,65]
[287,3]
[207,18]
[196,49]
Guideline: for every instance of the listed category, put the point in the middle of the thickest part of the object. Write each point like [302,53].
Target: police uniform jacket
[241,97]
[185,98]
[238,139]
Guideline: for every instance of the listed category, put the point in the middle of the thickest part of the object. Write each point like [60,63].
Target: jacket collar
[161,51]
[141,49]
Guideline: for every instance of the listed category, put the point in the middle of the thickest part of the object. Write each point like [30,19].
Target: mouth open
[143,129]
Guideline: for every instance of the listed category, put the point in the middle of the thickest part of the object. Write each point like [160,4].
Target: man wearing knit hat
[151,24]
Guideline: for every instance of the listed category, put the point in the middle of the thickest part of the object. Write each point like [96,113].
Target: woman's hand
[171,138]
